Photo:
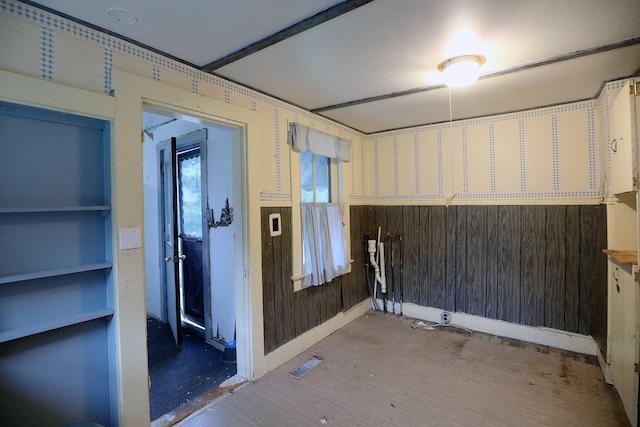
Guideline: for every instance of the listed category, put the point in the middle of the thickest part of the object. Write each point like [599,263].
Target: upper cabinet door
[622,144]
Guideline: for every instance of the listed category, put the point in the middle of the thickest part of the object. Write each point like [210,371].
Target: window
[323,245]
[315,178]
[190,196]
[324,253]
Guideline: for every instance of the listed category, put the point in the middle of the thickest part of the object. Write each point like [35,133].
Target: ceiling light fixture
[461,70]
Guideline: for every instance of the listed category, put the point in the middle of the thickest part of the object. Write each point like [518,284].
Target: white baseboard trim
[299,344]
[539,335]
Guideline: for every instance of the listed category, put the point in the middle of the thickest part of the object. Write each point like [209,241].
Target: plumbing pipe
[401,274]
[374,302]
[372,259]
[382,278]
[374,264]
[393,279]
[378,245]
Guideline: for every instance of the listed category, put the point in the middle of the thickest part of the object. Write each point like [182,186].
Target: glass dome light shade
[462,70]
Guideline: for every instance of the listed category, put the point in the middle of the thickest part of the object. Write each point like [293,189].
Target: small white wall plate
[275,225]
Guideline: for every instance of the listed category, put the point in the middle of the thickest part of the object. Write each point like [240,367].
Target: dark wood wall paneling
[288,314]
[354,285]
[533,265]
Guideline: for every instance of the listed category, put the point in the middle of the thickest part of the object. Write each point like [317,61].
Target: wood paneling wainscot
[532,265]
[288,314]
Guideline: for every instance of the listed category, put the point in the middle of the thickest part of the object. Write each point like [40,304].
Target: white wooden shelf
[53,324]
[54,209]
[41,274]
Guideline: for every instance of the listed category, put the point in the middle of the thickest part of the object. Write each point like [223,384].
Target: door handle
[182,257]
[614,145]
[168,258]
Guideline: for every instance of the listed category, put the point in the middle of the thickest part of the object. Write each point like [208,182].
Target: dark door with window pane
[190,214]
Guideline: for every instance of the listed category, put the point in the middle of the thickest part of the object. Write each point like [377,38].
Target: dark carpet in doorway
[179,376]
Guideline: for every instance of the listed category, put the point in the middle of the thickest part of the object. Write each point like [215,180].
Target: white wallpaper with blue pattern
[160,69]
[365,166]
[560,167]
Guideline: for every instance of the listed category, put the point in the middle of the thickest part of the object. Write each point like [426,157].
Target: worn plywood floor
[379,372]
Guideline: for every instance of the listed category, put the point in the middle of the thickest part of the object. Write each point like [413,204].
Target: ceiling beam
[308,23]
[522,67]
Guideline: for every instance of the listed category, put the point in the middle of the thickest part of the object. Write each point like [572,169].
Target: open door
[182,214]
[171,243]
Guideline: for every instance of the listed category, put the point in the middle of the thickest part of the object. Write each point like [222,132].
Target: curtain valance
[305,138]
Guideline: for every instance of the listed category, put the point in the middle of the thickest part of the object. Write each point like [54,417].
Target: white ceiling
[389,46]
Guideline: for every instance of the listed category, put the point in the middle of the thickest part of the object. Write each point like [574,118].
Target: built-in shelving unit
[56,290]
[50,325]
[54,209]
[41,274]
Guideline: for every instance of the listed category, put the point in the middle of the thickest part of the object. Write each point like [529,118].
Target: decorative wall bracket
[226,217]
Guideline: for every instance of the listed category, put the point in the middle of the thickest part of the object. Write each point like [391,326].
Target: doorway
[191,193]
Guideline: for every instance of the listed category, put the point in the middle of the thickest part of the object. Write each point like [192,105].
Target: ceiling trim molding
[292,30]
[482,116]
[522,67]
[108,32]
[521,110]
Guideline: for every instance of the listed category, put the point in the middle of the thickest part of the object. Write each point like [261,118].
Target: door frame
[132,92]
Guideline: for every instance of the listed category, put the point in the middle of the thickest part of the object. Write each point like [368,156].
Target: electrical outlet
[445,317]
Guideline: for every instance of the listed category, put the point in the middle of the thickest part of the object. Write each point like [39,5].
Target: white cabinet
[623,326]
[622,143]
[623,317]
[623,341]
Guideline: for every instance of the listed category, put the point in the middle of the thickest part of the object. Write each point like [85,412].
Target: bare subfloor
[379,372]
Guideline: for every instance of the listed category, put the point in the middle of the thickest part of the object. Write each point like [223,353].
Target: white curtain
[305,138]
[324,245]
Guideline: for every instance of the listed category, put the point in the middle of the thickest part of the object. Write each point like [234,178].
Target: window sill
[300,277]
[297,280]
